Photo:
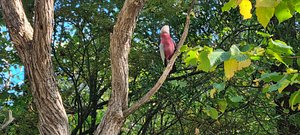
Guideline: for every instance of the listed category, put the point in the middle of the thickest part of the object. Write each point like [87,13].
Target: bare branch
[163,77]
[10,120]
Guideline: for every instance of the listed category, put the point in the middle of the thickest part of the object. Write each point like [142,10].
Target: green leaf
[282,12]
[298,61]
[265,35]
[283,84]
[280,47]
[184,48]
[192,58]
[211,112]
[264,14]
[203,59]
[276,56]
[241,57]
[231,4]
[296,4]
[222,104]
[274,76]
[236,99]
[294,99]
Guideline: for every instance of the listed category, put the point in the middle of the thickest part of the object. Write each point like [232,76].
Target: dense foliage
[234,76]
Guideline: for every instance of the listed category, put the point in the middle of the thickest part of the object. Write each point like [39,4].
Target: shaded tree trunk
[33,47]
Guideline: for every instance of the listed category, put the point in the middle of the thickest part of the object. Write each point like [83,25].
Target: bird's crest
[165,29]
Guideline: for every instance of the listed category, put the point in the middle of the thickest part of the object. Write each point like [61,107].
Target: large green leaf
[296,4]
[204,63]
[192,58]
[280,47]
[282,12]
[275,55]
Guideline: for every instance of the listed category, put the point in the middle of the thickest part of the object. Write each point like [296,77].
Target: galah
[167,45]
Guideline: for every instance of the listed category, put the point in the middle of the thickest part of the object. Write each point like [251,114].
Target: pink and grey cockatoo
[167,45]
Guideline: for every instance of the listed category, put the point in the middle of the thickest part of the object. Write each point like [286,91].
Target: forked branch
[10,120]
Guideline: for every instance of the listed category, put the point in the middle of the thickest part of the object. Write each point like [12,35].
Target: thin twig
[163,77]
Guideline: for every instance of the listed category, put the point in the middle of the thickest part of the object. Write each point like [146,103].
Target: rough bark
[119,48]
[33,47]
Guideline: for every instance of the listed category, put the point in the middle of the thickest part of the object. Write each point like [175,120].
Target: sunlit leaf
[276,56]
[282,12]
[231,4]
[291,71]
[192,58]
[296,4]
[280,47]
[184,48]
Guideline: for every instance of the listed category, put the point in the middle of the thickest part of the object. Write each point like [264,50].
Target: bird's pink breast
[169,46]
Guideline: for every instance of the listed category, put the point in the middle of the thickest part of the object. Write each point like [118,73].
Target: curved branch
[163,77]
[10,120]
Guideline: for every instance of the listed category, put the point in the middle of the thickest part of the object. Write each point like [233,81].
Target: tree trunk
[33,47]
[120,41]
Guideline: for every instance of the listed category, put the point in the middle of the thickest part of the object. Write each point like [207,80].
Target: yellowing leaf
[230,66]
[268,95]
[266,3]
[245,8]
[299,107]
[243,64]
[212,92]
[264,14]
